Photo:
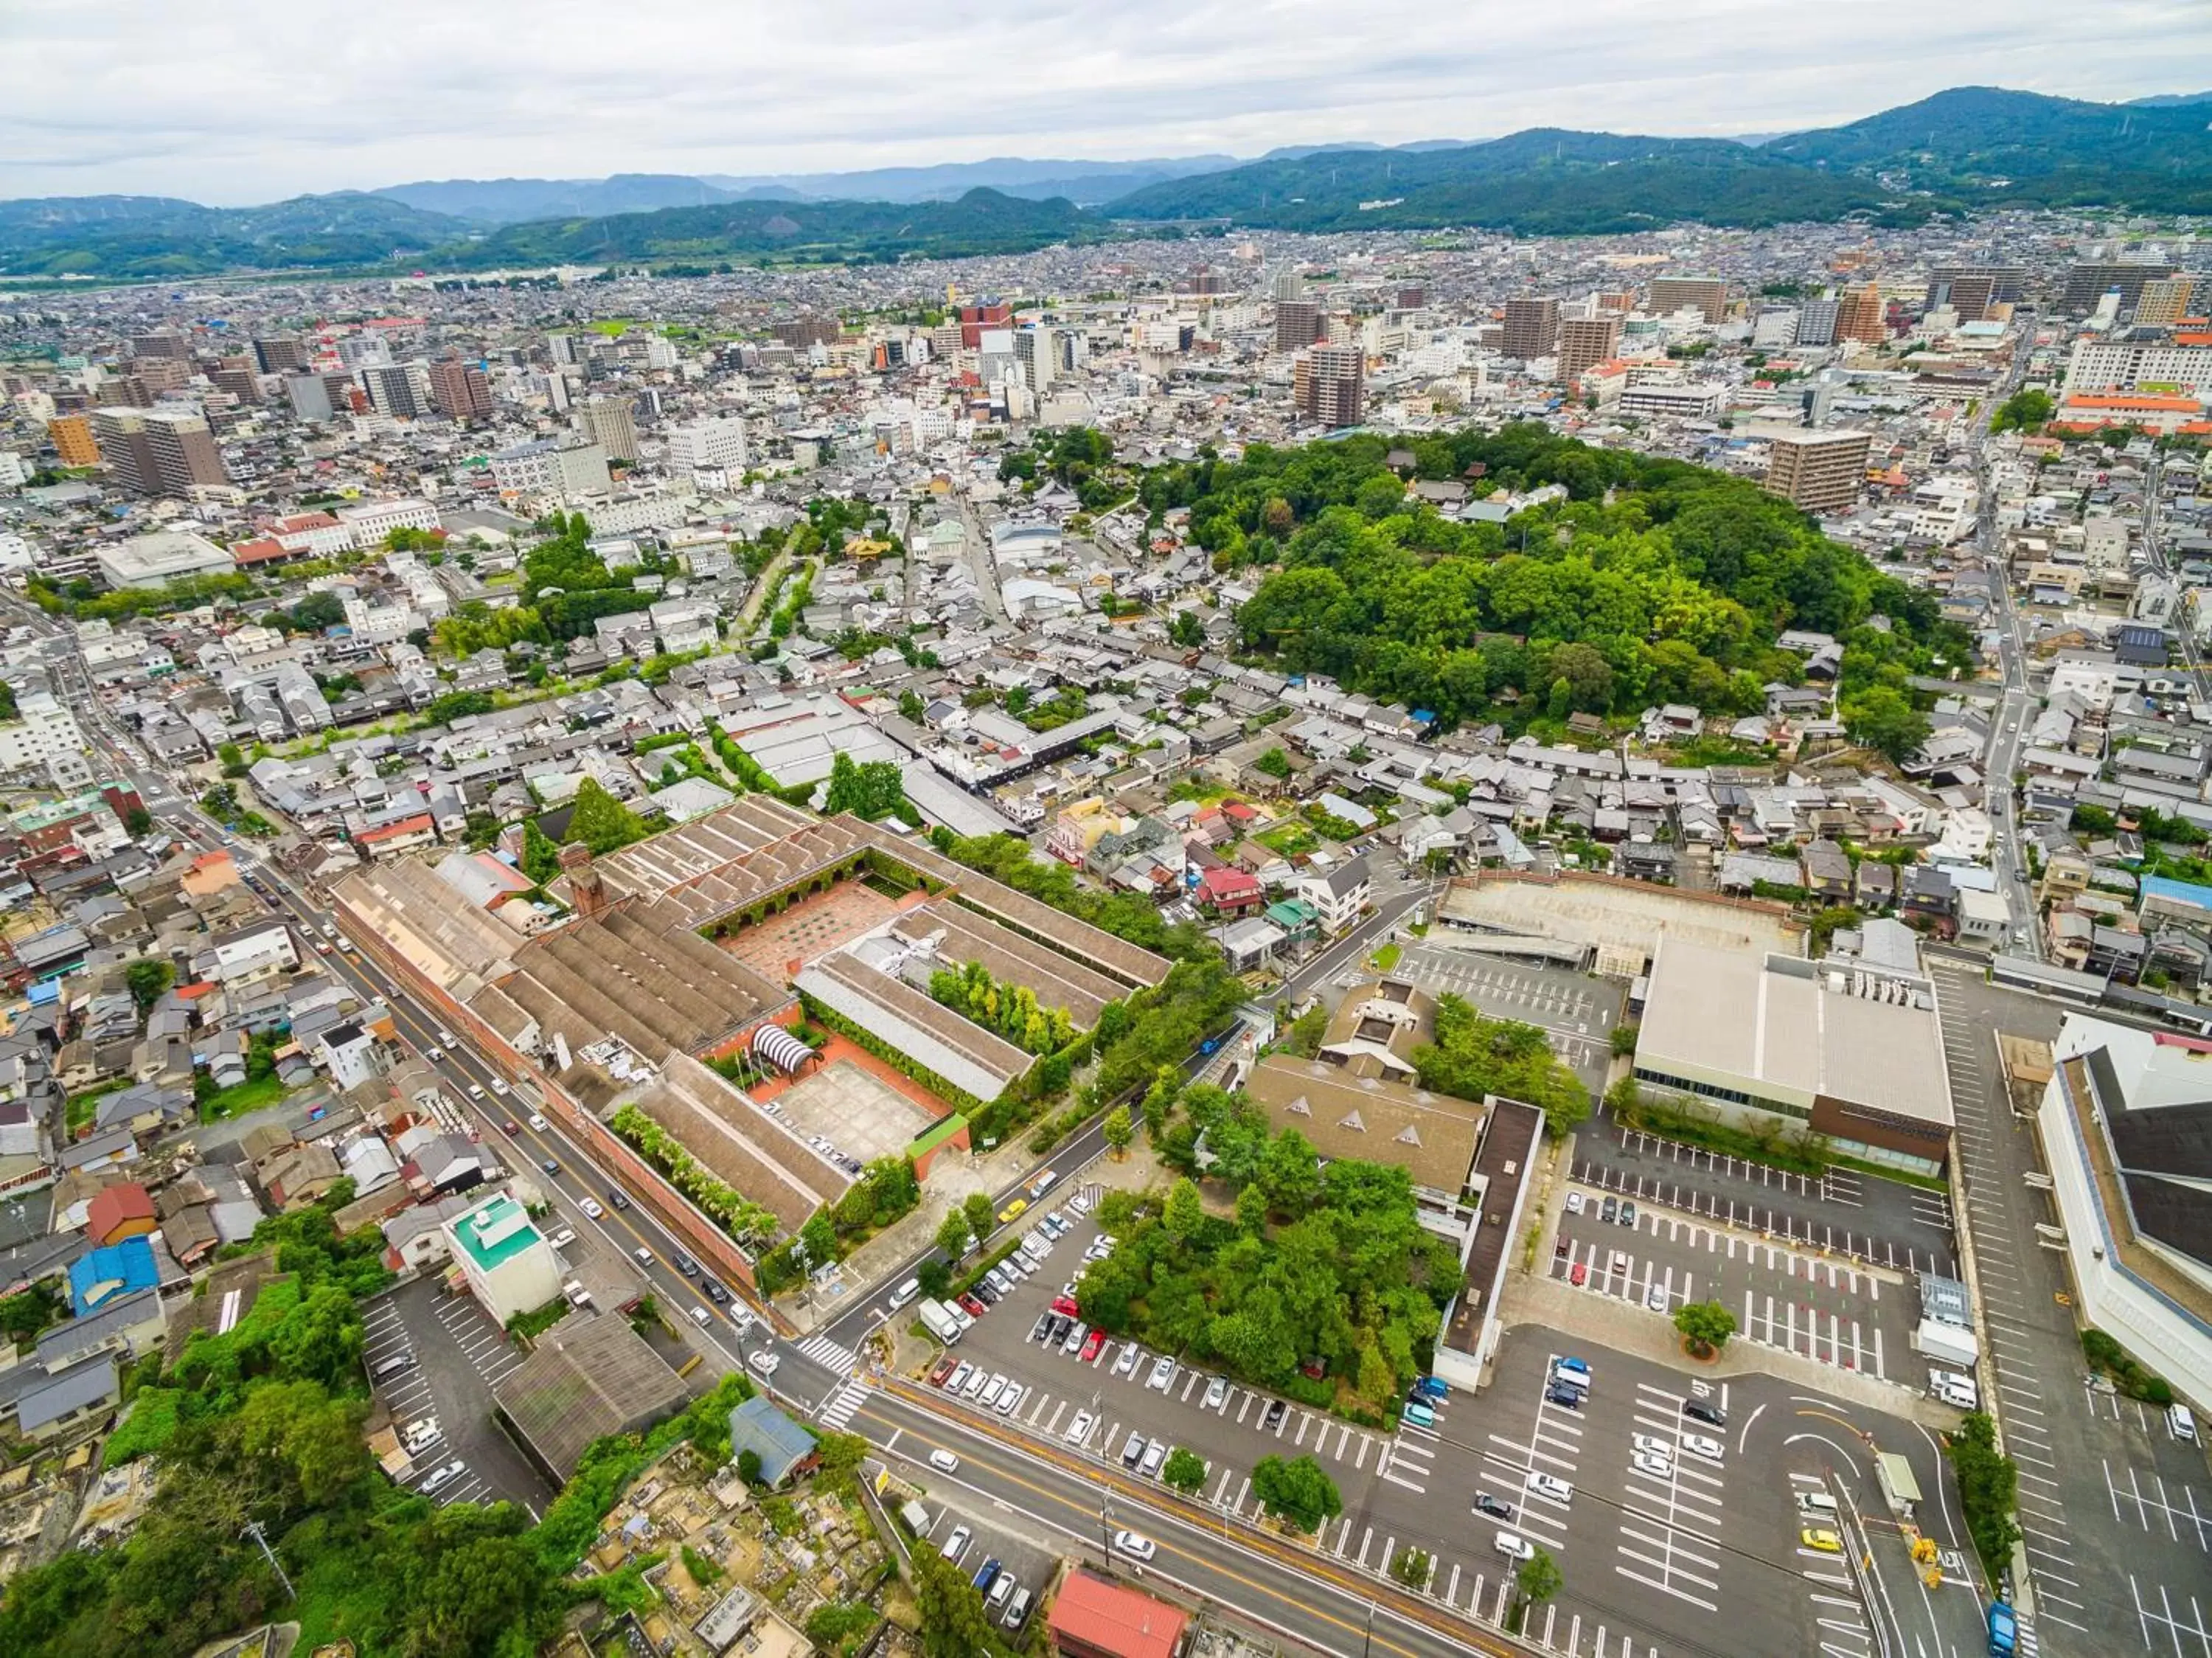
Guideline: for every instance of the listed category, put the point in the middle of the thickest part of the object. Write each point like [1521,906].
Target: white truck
[942,1322]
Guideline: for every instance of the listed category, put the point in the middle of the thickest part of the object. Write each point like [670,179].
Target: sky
[238,101]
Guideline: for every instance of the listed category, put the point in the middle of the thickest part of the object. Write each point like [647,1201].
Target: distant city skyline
[231,106]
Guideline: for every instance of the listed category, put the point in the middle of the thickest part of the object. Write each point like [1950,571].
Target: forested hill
[1656,581]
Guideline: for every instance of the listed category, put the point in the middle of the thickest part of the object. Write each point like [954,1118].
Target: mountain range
[1959,150]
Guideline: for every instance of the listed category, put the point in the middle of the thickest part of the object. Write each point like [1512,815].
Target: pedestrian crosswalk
[843,1406]
[829,1355]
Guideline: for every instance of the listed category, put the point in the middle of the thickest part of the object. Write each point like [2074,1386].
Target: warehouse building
[1852,1051]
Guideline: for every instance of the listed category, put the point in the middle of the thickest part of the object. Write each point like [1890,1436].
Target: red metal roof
[1103,1617]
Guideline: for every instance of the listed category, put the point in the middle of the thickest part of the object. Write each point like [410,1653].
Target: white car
[944,1460]
[957,1545]
[1164,1374]
[1651,1443]
[1127,1364]
[1015,1393]
[1699,1445]
[498,1086]
[1551,1486]
[1574,1203]
[443,1476]
[1658,1467]
[591,1207]
[763,1363]
[1656,1298]
[1217,1393]
[1136,1547]
[959,1379]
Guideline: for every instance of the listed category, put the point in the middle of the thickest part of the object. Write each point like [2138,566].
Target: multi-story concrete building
[1327,382]
[1298,324]
[1818,470]
[611,422]
[1816,322]
[2164,301]
[1707,296]
[507,1262]
[2183,361]
[161,557]
[369,523]
[545,467]
[280,354]
[401,390]
[2089,283]
[1532,328]
[458,390]
[704,445]
[157,451]
[1860,314]
[1585,342]
[43,733]
[73,441]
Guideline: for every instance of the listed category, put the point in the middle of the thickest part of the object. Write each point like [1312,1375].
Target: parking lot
[2113,1506]
[1886,1224]
[970,1529]
[1652,1555]
[457,1355]
[1576,1011]
[1833,1311]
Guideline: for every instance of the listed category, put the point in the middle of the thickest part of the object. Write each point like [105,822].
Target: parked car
[1627,1213]
[1551,1486]
[1574,1203]
[1609,1211]
[1079,1429]
[1821,1539]
[1277,1410]
[1164,1374]
[1217,1393]
[1092,1344]
[1705,1411]
[1496,1507]
[957,1545]
[1565,1396]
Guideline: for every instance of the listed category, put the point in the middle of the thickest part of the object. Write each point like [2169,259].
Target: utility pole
[253,1530]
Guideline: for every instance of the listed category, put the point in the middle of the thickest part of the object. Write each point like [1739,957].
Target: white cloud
[245,101]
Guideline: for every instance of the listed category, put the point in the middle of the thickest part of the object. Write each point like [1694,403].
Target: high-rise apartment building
[611,422]
[2089,283]
[2164,301]
[1585,342]
[1861,315]
[158,451]
[1037,349]
[458,390]
[1818,471]
[161,344]
[401,390]
[1329,382]
[1298,324]
[705,445]
[1816,322]
[1532,328]
[1972,289]
[280,354]
[73,441]
[1707,296]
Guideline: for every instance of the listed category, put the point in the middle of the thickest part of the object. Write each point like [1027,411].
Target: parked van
[1017,1609]
[1420,1415]
[392,1366]
[905,1293]
[1155,1454]
[1514,1546]
[1816,1505]
[2180,1424]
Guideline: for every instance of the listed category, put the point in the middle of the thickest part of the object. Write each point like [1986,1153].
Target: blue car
[985,1575]
[1432,1387]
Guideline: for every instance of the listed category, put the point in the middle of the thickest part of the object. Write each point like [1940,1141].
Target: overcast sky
[232,101]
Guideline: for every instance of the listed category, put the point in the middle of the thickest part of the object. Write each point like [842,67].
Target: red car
[972,1308]
[1063,1305]
[513,1127]
[1581,1274]
[943,1368]
[1092,1344]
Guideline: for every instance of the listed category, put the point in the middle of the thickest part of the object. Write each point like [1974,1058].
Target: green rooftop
[496,1232]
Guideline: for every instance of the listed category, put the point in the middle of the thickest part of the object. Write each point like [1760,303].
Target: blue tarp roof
[119,1270]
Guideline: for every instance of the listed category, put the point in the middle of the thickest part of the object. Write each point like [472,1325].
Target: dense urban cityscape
[1125,927]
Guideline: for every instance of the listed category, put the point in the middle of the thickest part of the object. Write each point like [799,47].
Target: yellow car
[1013,1210]
[1826,1541]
